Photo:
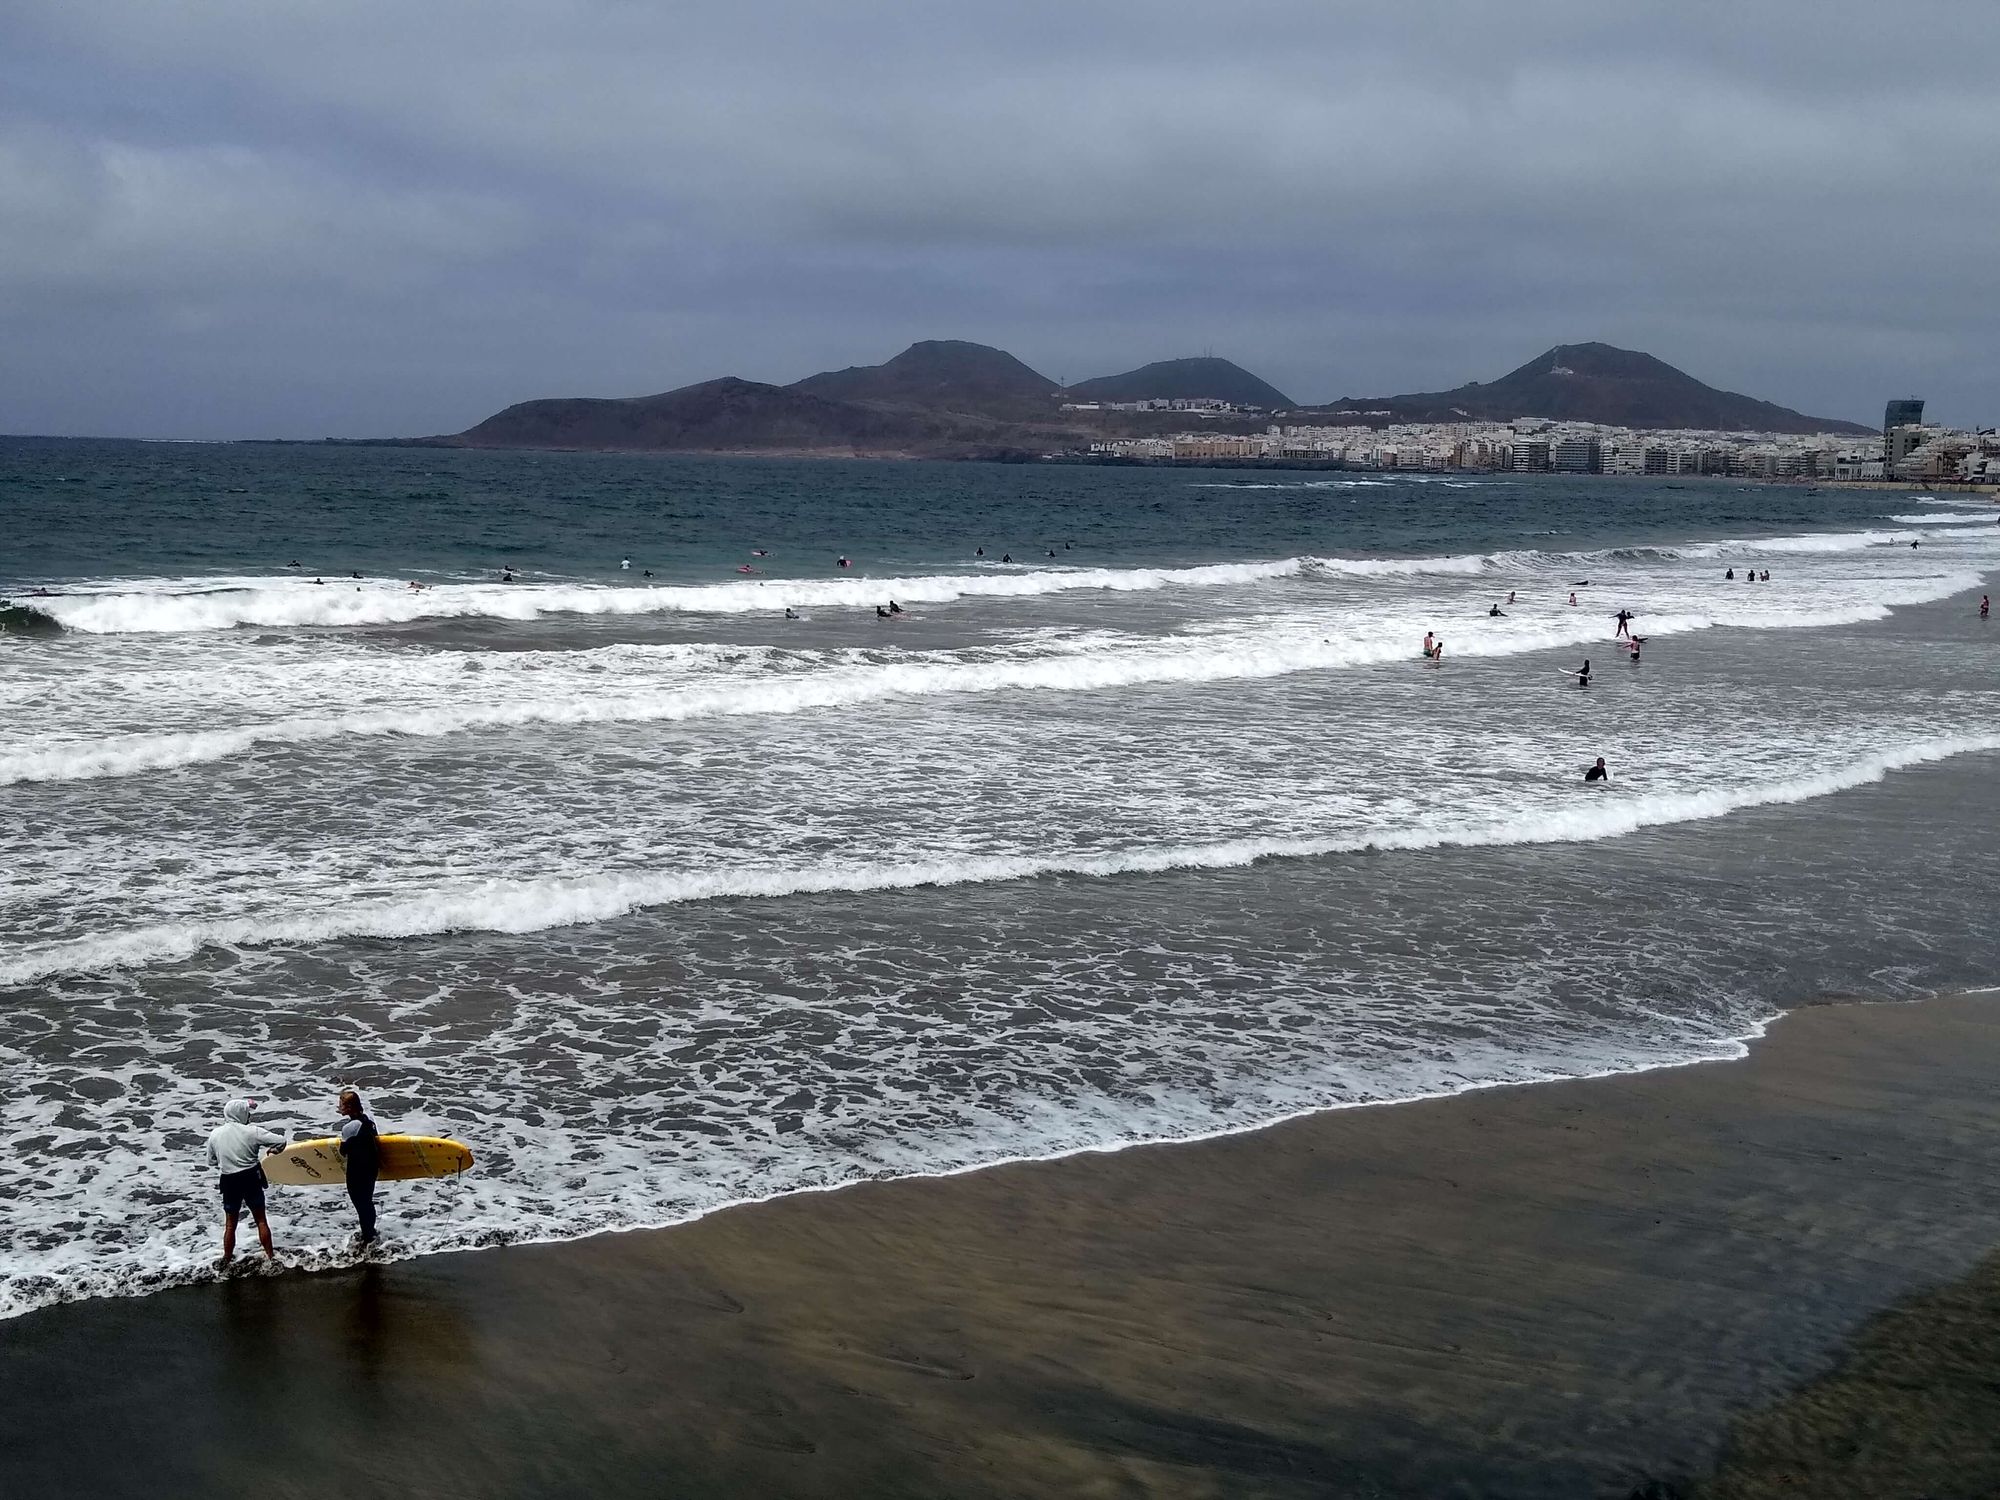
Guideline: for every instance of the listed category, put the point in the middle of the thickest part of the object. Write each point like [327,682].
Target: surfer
[978,551]
[506,575]
[363,1155]
[895,608]
[1985,605]
[293,563]
[760,551]
[881,613]
[790,613]
[232,1151]
[625,562]
[1582,673]
[1624,619]
[1597,772]
[1006,557]
[648,573]
[1510,596]
[1729,575]
[1495,613]
[846,562]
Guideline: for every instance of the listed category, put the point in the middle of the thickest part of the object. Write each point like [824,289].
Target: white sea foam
[181,605]
[1093,664]
[535,905]
[292,602]
[1950,518]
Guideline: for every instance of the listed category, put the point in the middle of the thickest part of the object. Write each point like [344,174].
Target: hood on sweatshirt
[238,1110]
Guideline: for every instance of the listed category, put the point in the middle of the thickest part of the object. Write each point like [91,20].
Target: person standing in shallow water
[360,1150]
[233,1153]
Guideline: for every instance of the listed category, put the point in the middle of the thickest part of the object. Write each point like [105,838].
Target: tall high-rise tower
[1907,412]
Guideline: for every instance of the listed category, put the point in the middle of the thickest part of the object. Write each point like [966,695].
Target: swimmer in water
[1765,576]
[624,562]
[1006,557]
[846,562]
[1637,642]
[1437,654]
[1429,645]
[1510,596]
[1597,772]
[1729,575]
[1572,598]
[760,551]
[1495,613]
[978,551]
[790,613]
[1985,605]
[507,575]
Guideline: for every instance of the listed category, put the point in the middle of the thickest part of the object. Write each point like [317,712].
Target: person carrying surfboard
[233,1152]
[362,1154]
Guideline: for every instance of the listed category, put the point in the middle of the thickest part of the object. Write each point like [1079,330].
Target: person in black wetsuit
[1583,673]
[881,613]
[895,608]
[1624,619]
[1597,772]
[361,1151]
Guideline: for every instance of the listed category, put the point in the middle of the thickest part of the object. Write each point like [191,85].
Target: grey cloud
[450,206]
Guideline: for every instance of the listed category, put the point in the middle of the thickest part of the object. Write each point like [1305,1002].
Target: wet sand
[1566,1289]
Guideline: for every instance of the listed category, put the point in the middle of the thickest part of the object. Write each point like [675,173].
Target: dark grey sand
[1567,1289]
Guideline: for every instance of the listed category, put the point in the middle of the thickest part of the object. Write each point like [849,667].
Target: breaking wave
[536,905]
[170,606]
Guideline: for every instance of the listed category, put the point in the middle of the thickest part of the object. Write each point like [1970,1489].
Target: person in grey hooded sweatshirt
[233,1150]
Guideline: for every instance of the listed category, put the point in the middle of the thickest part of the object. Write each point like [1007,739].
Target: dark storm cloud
[300,216]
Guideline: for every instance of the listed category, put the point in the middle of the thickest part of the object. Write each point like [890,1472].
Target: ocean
[1144,820]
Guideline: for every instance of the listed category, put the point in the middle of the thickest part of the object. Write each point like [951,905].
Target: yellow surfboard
[318,1164]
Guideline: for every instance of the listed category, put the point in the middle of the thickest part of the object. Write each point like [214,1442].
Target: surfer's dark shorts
[244,1189]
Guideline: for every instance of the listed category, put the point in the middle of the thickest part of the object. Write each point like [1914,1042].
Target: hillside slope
[1599,383]
[1184,380]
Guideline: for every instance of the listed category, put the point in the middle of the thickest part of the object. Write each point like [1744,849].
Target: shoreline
[1546,1289]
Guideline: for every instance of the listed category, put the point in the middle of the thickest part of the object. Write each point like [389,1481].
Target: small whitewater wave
[536,905]
[1950,518]
[169,606]
[294,603]
[1090,666]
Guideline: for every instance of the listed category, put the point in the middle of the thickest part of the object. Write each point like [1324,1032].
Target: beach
[1570,1288]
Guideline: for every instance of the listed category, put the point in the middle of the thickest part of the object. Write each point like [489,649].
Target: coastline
[1552,1288]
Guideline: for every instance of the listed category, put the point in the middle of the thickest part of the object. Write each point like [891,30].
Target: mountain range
[952,399]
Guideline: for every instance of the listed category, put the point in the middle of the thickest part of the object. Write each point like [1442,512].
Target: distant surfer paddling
[233,1152]
[361,1151]
[1597,772]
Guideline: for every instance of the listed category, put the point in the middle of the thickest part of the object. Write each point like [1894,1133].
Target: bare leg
[264,1234]
[228,1236]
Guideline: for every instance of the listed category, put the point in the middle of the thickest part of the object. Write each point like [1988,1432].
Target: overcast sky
[359,217]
